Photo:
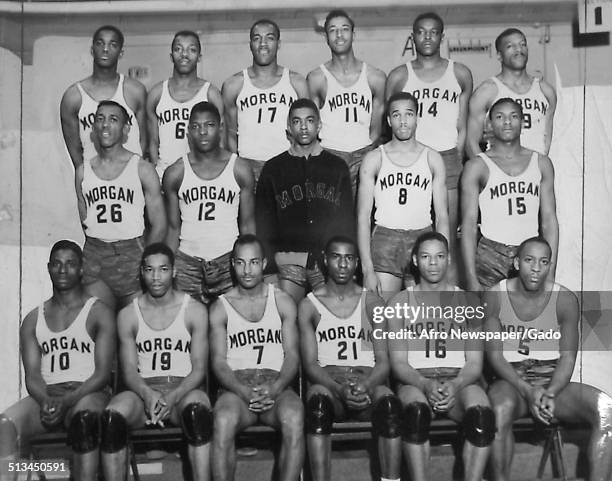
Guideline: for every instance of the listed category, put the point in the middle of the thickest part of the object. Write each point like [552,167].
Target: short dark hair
[428,15]
[111,28]
[202,107]
[157,248]
[303,103]
[537,240]
[187,33]
[66,244]
[246,239]
[340,239]
[505,100]
[112,103]
[507,33]
[426,237]
[265,21]
[338,12]
[401,96]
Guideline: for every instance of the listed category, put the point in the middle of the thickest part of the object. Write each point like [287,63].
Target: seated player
[346,367]
[439,376]
[533,370]
[254,348]
[67,347]
[163,351]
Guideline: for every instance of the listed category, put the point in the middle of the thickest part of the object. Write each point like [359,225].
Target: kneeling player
[255,358]
[163,354]
[346,365]
[439,375]
[533,372]
[67,347]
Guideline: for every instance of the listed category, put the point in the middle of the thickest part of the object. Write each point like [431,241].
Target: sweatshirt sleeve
[346,210]
[266,222]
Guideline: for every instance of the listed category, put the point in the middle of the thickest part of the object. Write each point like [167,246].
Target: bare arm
[229,92]
[317,86]
[30,356]
[78,185]
[380,373]
[464,77]
[289,369]
[215,98]
[127,328]
[152,123]
[548,210]
[376,79]
[153,202]
[69,116]
[300,85]
[173,177]
[396,80]
[478,106]
[136,97]
[246,181]
[439,192]
[551,96]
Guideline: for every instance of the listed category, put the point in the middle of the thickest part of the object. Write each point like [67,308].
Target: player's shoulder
[216,312]
[400,71]
[295,76]
[372,300]
[30,320]
[547,89]
[194,309]
[283,300]
[127,315]
[374,72]
[566,297]
[134,86]
[316,75]
[156,91]
[487,90]
[100,310]
[462,71]
[475,164]
[373,157]
[233,83]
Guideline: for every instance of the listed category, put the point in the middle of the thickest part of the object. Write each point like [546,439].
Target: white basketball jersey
[163,352]
[262,117]
[425,351]
[66,355]
[346,113]
[87,117]
[344,341]
[115,208]
[172,121]
[254,344]
[520,349]
[438,108]
[510,204]
[535,105]
[209,211]
[402,195]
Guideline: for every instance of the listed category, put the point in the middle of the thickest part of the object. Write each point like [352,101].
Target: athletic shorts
[453,165]
[204,280]
[441,374]
[494,261]
[347,374]
[353,161]
[392,250]
[535,372]
[164,384]
[115,263]
[294,267]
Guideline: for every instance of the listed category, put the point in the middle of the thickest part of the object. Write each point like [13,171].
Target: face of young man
[533,265]
[427,37]
[513,52]
[249,265]
[432,261]
[185,54]
[341,261]
[304,126]
[264,44]
[106,49]
[506,122]
[204,132]
[157,273]
[65,269]
[339,34]
[110,126]
[402,118]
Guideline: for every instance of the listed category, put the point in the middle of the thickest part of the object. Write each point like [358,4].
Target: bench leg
[557,454]
[546,451]
[133,463]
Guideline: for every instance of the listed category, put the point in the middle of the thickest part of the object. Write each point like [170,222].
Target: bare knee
[504,416]
[291,419]
[8,437]
[225,423]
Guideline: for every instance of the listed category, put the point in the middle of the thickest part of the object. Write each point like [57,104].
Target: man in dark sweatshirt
[303,199]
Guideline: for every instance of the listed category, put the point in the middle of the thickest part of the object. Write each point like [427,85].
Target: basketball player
[534,95]
[443,89]
[169,103]
[80,101]
[534,368]
[257,99]
[350,94]
[67,348]
[345,364]
[400,179]
[439,376]
[303,199]
[514,189]
[209,200]
[163,353]
[113,188]
[255,358]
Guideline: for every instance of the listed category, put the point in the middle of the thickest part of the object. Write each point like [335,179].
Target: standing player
[514,189]
[67,348]
[443,89]
[163,353]
[209,200]
[113,188]
[346,365]
[169,103]
[400,179]
[257,99]
[80,101]
[532,371]
[255,358]
[439,375]
[534,95]
[350,94]
[303,199]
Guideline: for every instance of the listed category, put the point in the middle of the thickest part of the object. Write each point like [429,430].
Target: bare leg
[390,284]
